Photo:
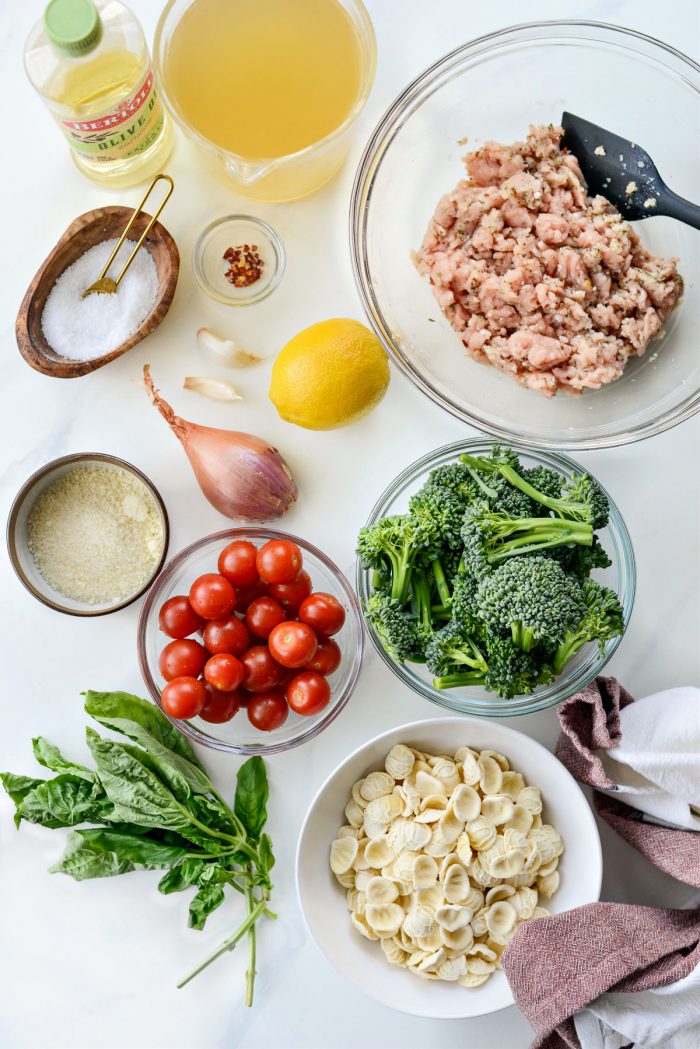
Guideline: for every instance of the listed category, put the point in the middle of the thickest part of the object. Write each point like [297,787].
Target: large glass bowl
[238,736]
[585,665]
[493,88]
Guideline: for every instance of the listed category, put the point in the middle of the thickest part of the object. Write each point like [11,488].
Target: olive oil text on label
[128,130]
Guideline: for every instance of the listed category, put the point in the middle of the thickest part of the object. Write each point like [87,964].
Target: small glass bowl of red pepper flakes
[238,260]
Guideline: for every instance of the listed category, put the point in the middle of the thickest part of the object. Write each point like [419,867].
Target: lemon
[329,375]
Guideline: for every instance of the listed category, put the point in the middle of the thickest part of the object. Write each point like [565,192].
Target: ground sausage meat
[539,279]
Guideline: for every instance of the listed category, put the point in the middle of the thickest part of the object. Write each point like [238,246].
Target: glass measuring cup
[272,178]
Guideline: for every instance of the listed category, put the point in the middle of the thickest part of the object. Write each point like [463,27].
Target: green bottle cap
[73,26]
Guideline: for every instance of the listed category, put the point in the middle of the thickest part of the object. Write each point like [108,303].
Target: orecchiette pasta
[442,858]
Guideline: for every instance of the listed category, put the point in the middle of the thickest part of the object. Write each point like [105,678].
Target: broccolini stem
[567,650]
[525,545]
[458,680]
[477,463]
[522,636]
[559,506]
[441,583]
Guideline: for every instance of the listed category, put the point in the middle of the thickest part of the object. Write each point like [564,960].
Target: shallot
[242,476]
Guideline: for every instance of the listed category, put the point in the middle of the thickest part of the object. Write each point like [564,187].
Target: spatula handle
[669,203]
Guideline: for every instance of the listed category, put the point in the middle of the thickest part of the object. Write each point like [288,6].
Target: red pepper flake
[245,265]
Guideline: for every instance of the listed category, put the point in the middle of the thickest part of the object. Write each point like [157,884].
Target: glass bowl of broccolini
[495,580]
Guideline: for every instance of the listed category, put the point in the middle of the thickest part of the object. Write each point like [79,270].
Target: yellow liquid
[264,78]
[94,87]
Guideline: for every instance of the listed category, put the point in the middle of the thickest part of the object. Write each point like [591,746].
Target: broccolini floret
[582,498]
[490,538]
[402,635]
[439,506]
[602,621]
[389,547]
[531,598]
[581,560]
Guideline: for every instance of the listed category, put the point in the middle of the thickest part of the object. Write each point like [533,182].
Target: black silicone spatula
[624,173]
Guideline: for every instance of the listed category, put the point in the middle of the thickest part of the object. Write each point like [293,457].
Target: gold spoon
[107,285]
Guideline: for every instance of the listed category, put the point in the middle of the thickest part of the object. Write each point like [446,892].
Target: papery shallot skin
[539,279]
[241,475]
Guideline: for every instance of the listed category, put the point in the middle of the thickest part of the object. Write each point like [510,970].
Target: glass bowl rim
[76,459]
[564,686]
[276,243]
[177,562]
[379,141]
[368,75]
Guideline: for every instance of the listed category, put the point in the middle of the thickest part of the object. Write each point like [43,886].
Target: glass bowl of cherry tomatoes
[250,641]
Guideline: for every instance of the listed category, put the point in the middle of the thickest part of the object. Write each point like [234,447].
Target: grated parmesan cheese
[95,534]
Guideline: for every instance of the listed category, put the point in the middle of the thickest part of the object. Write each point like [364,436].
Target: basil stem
[228,945]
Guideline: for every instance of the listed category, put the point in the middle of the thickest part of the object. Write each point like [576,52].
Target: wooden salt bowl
[82,234]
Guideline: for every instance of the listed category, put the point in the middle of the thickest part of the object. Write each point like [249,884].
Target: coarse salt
[95,534]
[82,329]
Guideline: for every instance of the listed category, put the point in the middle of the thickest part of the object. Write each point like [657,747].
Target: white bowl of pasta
[426,848]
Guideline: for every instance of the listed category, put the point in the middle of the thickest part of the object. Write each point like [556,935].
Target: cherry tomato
[267,710]
[262,615]
[323,612]
[292,644]
[326,660]
[308,693]
[183,697]
[261,671]
[291,595]
[219,706]
[224,672]
[245,597]
[212,596]
[226,635]
[279,561]
[177,618]
[237,563]
[182,658]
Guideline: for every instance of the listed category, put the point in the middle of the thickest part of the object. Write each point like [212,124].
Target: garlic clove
[226,351]
[215,389]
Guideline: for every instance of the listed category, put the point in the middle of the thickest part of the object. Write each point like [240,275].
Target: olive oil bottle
[89,61]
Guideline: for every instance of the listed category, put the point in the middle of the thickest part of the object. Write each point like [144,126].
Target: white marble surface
[94,965]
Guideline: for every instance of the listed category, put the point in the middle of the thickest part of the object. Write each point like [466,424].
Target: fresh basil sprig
[153,807]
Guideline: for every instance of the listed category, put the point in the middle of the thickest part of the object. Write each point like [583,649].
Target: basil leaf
[141,850]
[251,795]
[82,859]
[266,858]
[210,895]
[50,757]
[141,721]
[138,795]
[181,876]
[18,787]
[166,772]
[144,723]
[65,801]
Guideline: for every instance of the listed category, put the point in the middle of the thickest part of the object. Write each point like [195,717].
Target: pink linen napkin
[560,964]
[590,721]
